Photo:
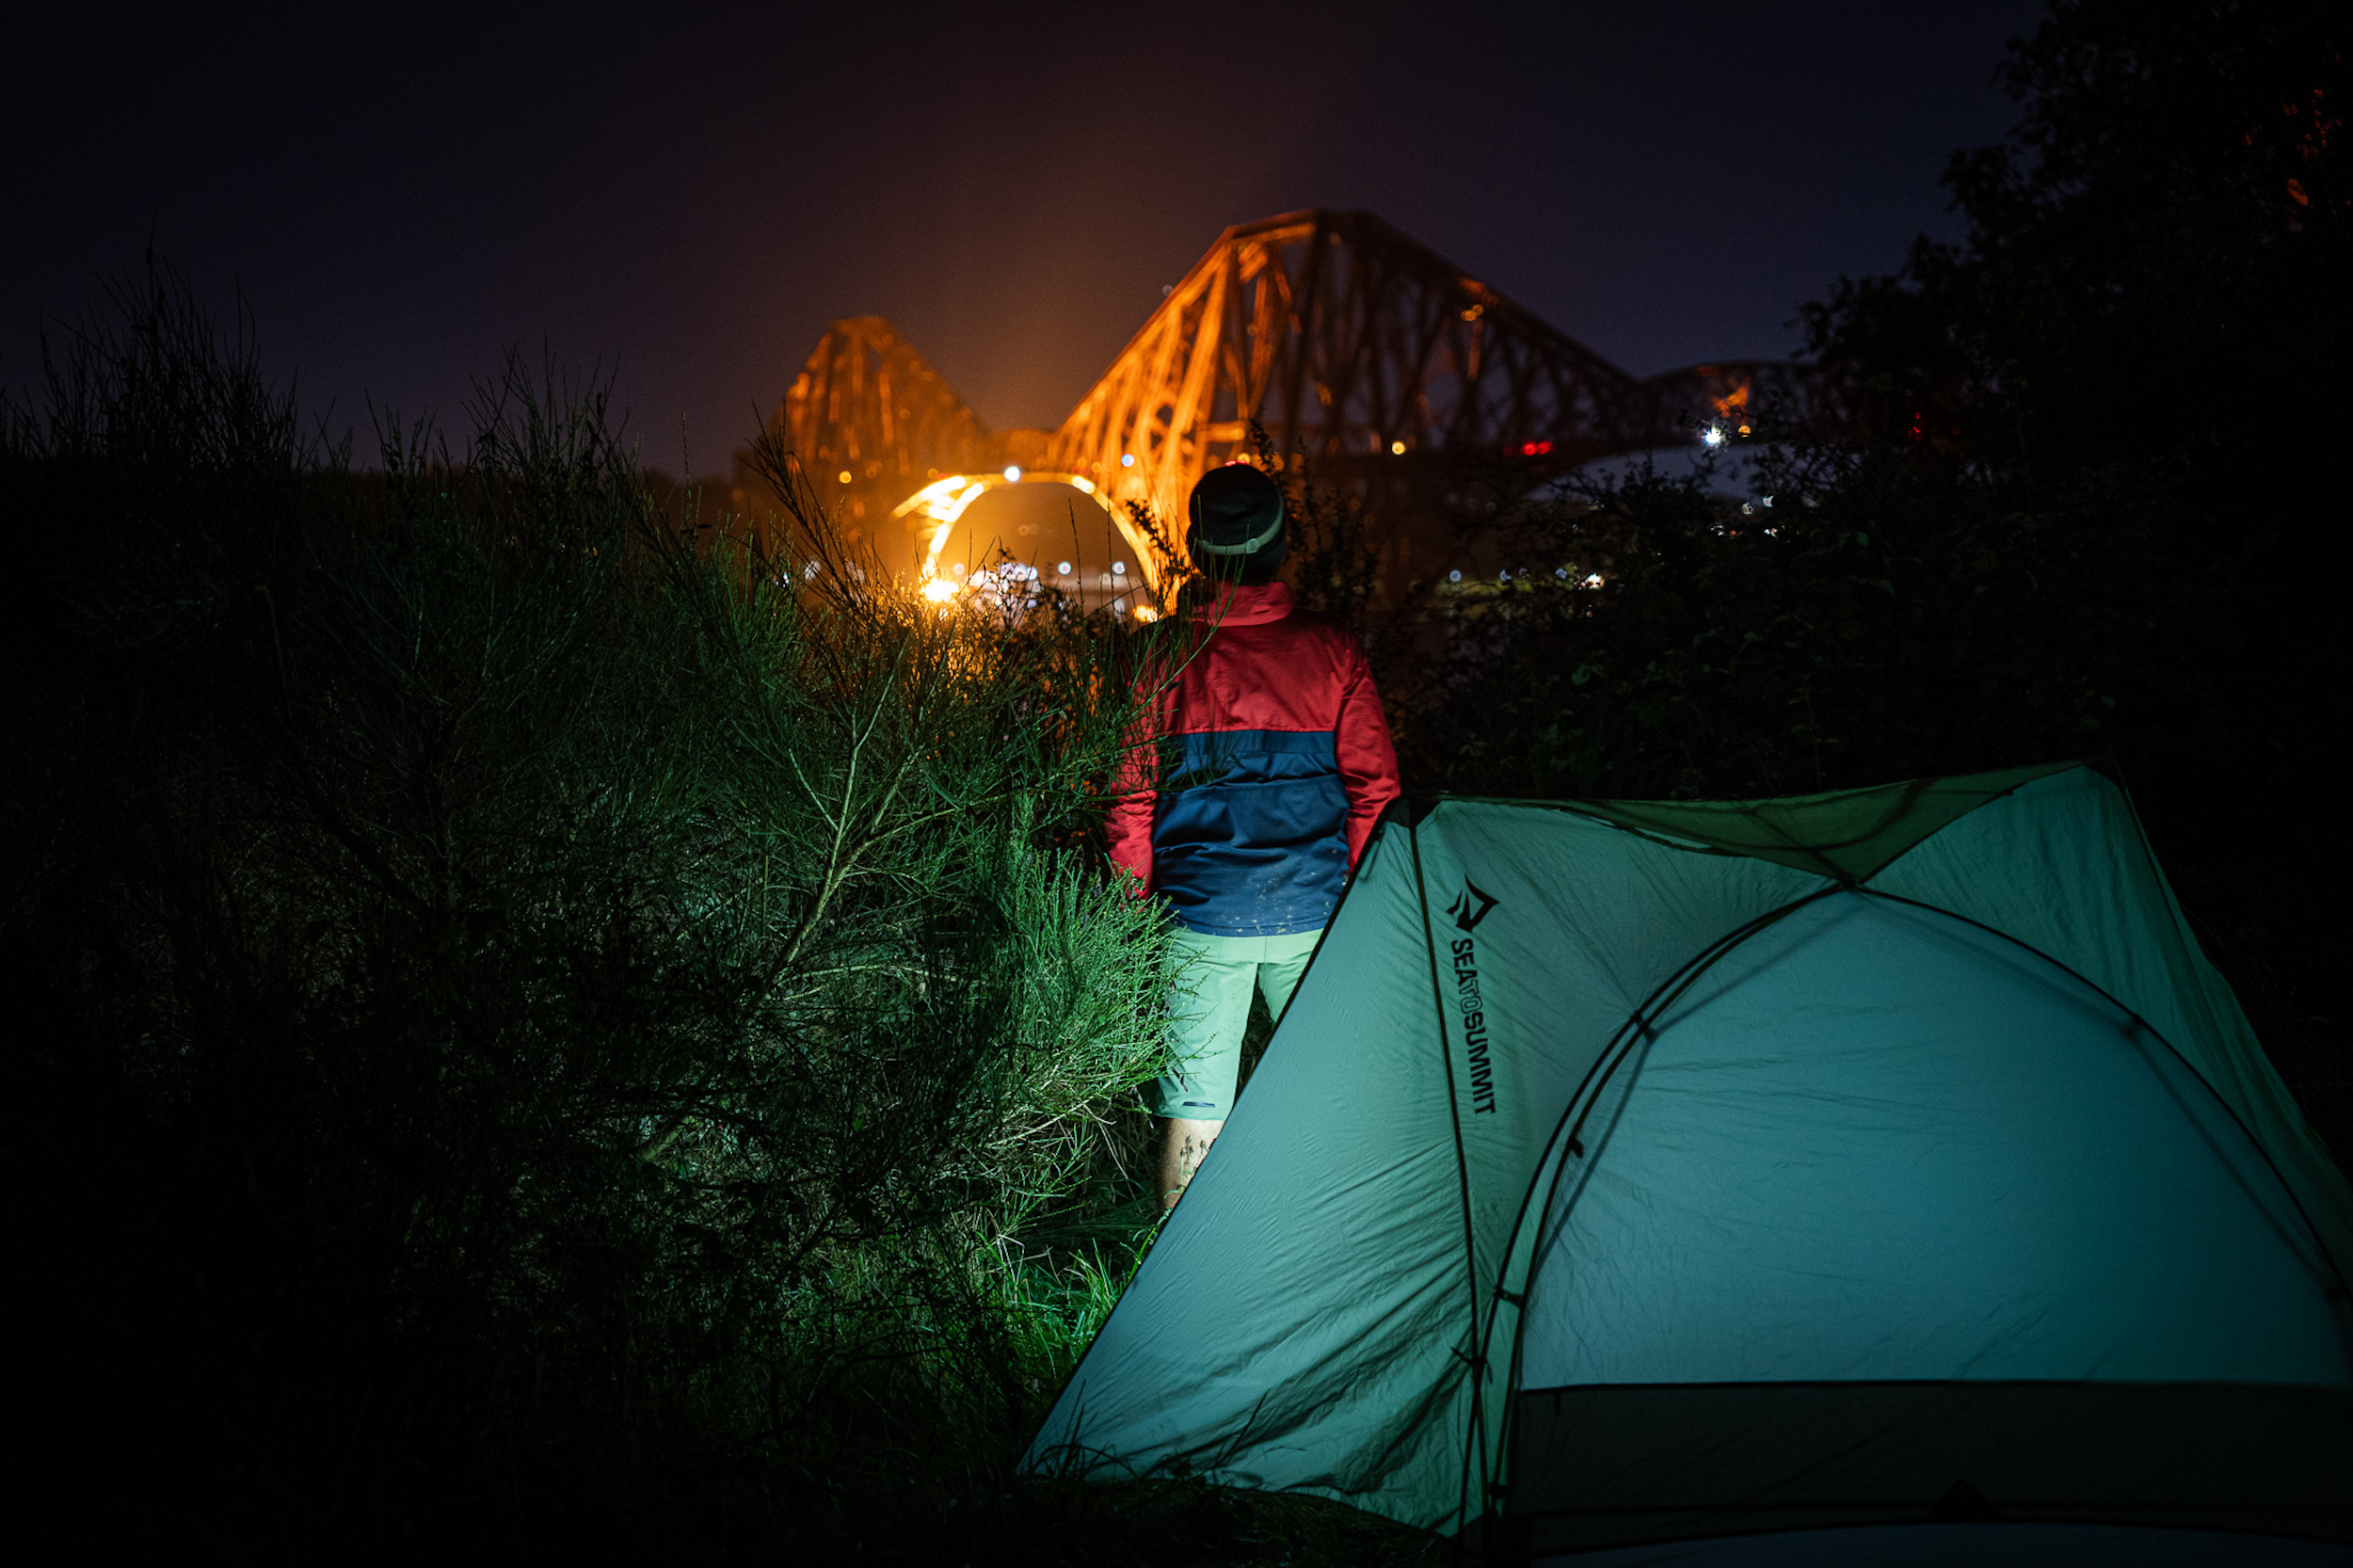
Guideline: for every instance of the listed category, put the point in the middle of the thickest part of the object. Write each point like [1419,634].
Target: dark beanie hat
[1235,510]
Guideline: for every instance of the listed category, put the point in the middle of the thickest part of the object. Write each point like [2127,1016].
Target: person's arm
[1128,826]
[1368,762]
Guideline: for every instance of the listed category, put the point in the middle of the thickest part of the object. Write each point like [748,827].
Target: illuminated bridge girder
[1345,339]
[1362,353]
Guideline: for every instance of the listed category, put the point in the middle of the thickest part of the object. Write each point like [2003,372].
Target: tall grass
[543,1021]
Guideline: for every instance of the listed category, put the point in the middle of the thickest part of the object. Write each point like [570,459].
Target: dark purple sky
[404,191]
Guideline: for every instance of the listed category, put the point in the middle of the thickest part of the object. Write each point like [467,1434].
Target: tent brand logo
[1471,906]
[1471,1003]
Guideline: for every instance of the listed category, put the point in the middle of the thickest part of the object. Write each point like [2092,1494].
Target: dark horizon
[689,211]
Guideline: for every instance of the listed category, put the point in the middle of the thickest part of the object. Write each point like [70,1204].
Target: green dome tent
[1629,1172]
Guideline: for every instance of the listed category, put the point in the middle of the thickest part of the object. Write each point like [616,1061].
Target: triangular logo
[1472,907]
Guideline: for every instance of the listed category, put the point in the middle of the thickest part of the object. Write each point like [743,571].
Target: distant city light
[1013,474]
[1712,436]
[1768,501]
[1127,459]
[1594,581]
[939,590]
[1454,577]
[1119,569]
[1562,572]
[1535,449]
[1397,449]
[845,476]
[1062,567]
[957,569]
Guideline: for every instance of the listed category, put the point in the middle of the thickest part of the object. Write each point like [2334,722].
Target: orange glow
[942,505]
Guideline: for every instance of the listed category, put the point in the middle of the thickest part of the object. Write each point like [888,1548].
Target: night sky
[404,192]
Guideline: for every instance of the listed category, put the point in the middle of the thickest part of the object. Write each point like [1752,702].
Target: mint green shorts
[1210,981]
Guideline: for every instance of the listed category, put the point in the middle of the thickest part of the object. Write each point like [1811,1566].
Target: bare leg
[1182,1144]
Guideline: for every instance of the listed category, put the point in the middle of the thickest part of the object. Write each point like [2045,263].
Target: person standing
[1246,800]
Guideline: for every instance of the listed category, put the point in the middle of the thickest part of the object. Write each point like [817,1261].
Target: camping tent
[1625,1173]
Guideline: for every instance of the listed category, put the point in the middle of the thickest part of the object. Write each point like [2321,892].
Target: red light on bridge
[1535,449]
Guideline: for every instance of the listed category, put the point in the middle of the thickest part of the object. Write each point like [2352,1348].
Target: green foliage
[574,1002]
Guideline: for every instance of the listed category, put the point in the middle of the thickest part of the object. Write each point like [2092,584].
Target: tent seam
[1462,1171]
[2344,1288]
[1583,806]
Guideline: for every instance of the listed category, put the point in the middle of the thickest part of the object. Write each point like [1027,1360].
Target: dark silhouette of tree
[2077,490]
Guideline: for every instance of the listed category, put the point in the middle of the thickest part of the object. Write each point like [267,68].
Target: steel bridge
[1369,360]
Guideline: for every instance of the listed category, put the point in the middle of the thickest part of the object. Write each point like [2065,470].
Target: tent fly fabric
[1633,1173]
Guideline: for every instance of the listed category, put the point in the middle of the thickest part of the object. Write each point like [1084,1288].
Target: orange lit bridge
[1370,360]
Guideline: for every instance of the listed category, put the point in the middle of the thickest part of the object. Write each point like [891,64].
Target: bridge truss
[1367,359]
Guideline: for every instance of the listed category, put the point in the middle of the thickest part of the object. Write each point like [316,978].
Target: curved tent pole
[1589,1092]
[1634,1031]
[2345,1289]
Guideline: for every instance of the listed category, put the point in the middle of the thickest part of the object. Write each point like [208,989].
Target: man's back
[1273,763]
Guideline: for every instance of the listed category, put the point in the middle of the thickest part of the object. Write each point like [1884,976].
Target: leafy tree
[2073,491]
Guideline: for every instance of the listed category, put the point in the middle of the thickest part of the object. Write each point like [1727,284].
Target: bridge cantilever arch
[1370,361]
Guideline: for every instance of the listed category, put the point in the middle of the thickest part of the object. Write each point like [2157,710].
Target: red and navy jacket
[1262,768]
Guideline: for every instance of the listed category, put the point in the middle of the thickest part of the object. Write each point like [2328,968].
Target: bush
[535,1009]
[1663,641]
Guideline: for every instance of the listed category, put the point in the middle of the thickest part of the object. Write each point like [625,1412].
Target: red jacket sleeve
[1129,825]
[1368,762]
